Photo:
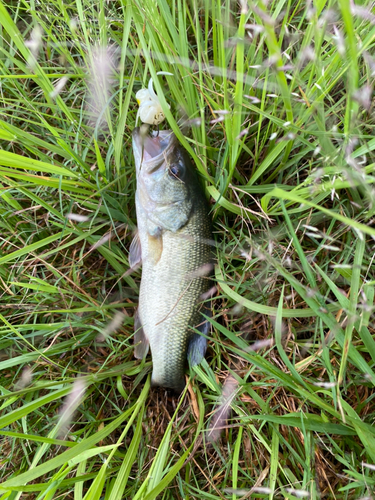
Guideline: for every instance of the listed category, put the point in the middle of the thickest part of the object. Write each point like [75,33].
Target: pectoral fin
[155,248]
[198,343]
[135,251]
[141,342]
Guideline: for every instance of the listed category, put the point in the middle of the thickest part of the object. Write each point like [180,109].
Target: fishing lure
[150,110]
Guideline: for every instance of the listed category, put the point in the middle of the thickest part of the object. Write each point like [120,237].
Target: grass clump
[274,103]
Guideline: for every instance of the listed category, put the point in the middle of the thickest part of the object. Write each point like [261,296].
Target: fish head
[165,178]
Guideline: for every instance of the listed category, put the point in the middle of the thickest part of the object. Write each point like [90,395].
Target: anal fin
[198,343]
[141,343]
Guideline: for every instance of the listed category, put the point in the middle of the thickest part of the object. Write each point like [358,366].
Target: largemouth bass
[173,244]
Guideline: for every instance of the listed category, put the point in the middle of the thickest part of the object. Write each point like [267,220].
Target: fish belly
[169,302]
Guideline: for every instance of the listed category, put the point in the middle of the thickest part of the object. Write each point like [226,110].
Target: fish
[173,244]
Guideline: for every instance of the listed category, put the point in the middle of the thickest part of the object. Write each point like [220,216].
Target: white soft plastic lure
[150,110]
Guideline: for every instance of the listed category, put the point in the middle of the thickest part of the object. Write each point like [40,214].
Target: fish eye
[176,170]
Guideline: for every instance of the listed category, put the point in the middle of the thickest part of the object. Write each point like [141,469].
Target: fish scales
[168,297]
[173,268]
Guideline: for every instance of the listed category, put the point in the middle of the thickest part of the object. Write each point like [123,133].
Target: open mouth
[151,146]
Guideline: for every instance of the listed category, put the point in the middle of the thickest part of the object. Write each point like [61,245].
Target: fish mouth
[151,150]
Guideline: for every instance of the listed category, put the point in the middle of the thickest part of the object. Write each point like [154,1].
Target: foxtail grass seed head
[203,270]
[217,120]
[244,7]
[237,491]
[236,310]
[368,466]
[71,403]
[77,217]
[359,234]
[34,44]
[267,19]
[100,85]
[194,122]
[362,12]
[255,489]
[311,228]
[363,96]
[370,60]
[222,413]
[242,133]
[253,99]
[284,328]
[116,323]
[58,87]
[298,493]
[340,42]
[260,344]
[245,254]
[288,137]
[325,385]
[210,293]
[255,28]
[25,380]
[288,262]
[263,490]
[310,11]
[314,235]
[328,17]
[331,248]
[287,67]
[101,241]
[307,54]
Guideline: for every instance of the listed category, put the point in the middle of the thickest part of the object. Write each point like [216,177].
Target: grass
[274,103]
